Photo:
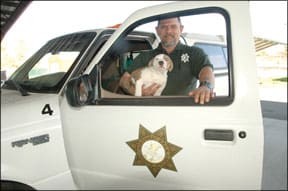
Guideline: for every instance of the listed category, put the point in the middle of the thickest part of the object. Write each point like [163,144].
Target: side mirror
[79,91]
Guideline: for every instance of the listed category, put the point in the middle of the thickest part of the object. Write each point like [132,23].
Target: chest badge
[185,58]
[153,150]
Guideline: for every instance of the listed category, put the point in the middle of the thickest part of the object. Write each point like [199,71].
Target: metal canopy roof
[11,10]
[261,43]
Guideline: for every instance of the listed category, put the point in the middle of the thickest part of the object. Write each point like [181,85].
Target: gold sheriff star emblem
[153,150]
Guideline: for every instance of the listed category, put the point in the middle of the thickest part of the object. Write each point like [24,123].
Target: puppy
[154,72]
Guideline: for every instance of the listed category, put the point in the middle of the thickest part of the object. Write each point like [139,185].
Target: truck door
[119,141]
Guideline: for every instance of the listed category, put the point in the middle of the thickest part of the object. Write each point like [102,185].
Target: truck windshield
[48,68]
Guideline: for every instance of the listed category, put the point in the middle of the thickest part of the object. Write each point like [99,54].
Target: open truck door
[118,141]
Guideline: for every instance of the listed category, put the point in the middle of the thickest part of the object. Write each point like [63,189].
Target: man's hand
[202,94]
[150,90]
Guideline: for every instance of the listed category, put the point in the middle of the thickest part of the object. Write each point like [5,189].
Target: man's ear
[157,31]
[181,28]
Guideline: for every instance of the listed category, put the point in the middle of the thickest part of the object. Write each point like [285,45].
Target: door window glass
[48,68]
[208,30]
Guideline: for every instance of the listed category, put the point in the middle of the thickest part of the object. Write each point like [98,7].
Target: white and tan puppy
[155,72]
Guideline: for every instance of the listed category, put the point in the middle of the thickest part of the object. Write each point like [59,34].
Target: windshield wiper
[18,87]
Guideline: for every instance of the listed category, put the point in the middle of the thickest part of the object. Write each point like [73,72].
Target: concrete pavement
[274,111]
[275,154]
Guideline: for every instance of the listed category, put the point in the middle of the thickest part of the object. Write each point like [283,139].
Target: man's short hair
[163,18]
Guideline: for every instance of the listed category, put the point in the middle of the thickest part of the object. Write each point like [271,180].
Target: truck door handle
[218,135]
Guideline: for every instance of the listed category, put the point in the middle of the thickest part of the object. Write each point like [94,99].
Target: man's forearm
[206,74]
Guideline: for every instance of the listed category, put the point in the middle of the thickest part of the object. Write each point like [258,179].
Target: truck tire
[11,185]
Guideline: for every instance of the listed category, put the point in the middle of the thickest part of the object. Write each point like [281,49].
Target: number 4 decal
[47,110]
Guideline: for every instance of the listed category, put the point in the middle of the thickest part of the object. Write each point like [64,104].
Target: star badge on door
[153,150]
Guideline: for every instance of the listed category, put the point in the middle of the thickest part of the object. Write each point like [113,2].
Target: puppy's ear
[170,64]
[150,63]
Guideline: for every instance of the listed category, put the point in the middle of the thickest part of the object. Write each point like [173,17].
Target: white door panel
[103,142]
[103,155]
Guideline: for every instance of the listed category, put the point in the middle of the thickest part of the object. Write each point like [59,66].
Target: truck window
[114,65]
[216,54]
[207,29]
[53,63]
[47,70]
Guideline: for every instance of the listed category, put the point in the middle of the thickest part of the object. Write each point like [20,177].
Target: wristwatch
[207,84]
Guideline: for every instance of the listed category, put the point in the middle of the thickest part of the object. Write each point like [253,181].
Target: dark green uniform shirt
[187,60]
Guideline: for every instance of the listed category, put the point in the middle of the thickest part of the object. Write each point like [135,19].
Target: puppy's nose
[161,62]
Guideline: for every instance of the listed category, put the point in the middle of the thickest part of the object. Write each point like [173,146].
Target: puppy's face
[162,61]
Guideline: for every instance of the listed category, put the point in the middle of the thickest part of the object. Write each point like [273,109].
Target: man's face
[169,31]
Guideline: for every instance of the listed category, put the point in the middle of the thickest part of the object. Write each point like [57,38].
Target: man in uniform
[190,64]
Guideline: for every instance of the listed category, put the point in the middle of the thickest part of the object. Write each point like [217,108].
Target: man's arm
[203,93]
[207,74]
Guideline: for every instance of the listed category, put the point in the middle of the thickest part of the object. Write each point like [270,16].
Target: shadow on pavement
[275,110]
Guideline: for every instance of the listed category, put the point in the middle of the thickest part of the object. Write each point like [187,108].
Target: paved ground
[275,155]
[274,111]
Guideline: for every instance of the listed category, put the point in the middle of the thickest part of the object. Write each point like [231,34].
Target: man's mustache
[169,35]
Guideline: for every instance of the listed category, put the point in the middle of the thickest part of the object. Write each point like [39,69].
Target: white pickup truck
[54,136]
